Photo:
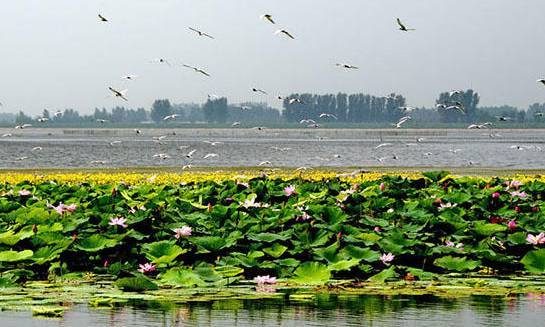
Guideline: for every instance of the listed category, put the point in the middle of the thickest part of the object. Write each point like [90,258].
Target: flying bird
[102,121]
[162,156]
[210,155]
[113,143]
[213,143]
[268,17]
[235,124]
[403,27]
[454,93]
[307,121]
[542,81]
[137,131]
[197,70]
[119,94]
[259,91]
[201,33]
[382,145]
[171,117]
[57,114]
[102,18]
[406,109]
[129,77]
[190,154]
[326,115]
[42,119]
[347,66]
[295,100]
[36,148]
[160,61]
[402,121]
[284,32]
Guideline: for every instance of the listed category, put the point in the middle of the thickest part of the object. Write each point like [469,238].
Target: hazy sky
[56,54]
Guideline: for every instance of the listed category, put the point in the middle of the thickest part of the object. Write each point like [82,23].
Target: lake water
[32,148]
[325,310]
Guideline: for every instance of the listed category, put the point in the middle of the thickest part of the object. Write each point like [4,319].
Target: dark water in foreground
[328,310]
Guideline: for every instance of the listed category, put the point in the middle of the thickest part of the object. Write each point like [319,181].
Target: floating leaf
[311,273]
[276,250]
[162,252]
[136,284]
[384,275]
[534,261]
[456,263]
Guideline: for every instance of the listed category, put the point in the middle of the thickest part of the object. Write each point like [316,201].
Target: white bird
[197,70]
[256,90]
[284,32]
[213,143]
[210,155]
[456,108]
[160,138]
[102,18]
[503,118]
[129,77]
[200,33]
[191,153]
[42,119]
[119,94]
[102,121]
[113,143]
[542,81]
[213,97]
[402,121]
[314,126]
[263,163]
[98,162]
[347,66]
[137,131]
[57,114]
[186,167]
[382,145]
[326,115]
[539,114]
[403,27]
[245,108]
[480,126]
[162,156]
[420,140]
[183,147]
[7,135]
[406,109]
[235,124]
[36,148]
[160,61]
[23,126]
[259,128]
[171,117]
[427,154]
[268,17]
[454,151]
[21,158]
[307,121]
[295,100]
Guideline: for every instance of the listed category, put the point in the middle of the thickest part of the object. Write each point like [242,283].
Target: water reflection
[323,310]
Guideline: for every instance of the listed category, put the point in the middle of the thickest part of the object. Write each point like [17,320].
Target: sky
[56,54]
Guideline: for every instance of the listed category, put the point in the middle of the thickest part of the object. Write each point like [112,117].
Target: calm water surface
[328,310]
[284,148]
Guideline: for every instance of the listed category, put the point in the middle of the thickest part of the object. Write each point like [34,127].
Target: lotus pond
[175,243]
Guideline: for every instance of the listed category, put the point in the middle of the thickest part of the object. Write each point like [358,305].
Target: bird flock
[455,105]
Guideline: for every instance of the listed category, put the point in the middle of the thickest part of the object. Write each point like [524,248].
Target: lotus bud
[382,187]
[512,225]
[495,195]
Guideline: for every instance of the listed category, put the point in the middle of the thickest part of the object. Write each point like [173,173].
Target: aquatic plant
[215,232]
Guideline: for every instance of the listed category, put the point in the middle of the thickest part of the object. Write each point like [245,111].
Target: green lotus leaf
[228,271]
[311,273]
[136,284]
[11,238]
[489,229]
[344,265]
[268,237]
[276,250]
[46,254]
[13,256]
[534,261]
[162,252]
[451,263]
[209,243]
[383,276]
[95,243]
[181,277]
[355,252]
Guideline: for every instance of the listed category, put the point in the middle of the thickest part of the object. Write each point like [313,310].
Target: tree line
[452,107]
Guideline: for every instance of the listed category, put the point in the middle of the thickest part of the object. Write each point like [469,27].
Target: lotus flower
[535,240]
[304,217]
[24,193]
[263,280]
[120,221]
[451,244]
[146,268]
[62,208]
[447,206]
[387,258]
[512,225]
[250,203]
[290,190]
[518,194]
[514,184]
[495,195]
[185,231]
[382,187]
[377,229]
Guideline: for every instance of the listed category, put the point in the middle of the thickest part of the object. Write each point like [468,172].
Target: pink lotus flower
[62,208]
[382,187]
[263,280]
[185,231]
[495,195]
[290,190]
[518,194]
[512,225]
[24,193]
[377,229]
[514,184]
[450,244]
[304,217]
[387,258]
[535,240]
[250,203]
[146,268]
[118,221]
